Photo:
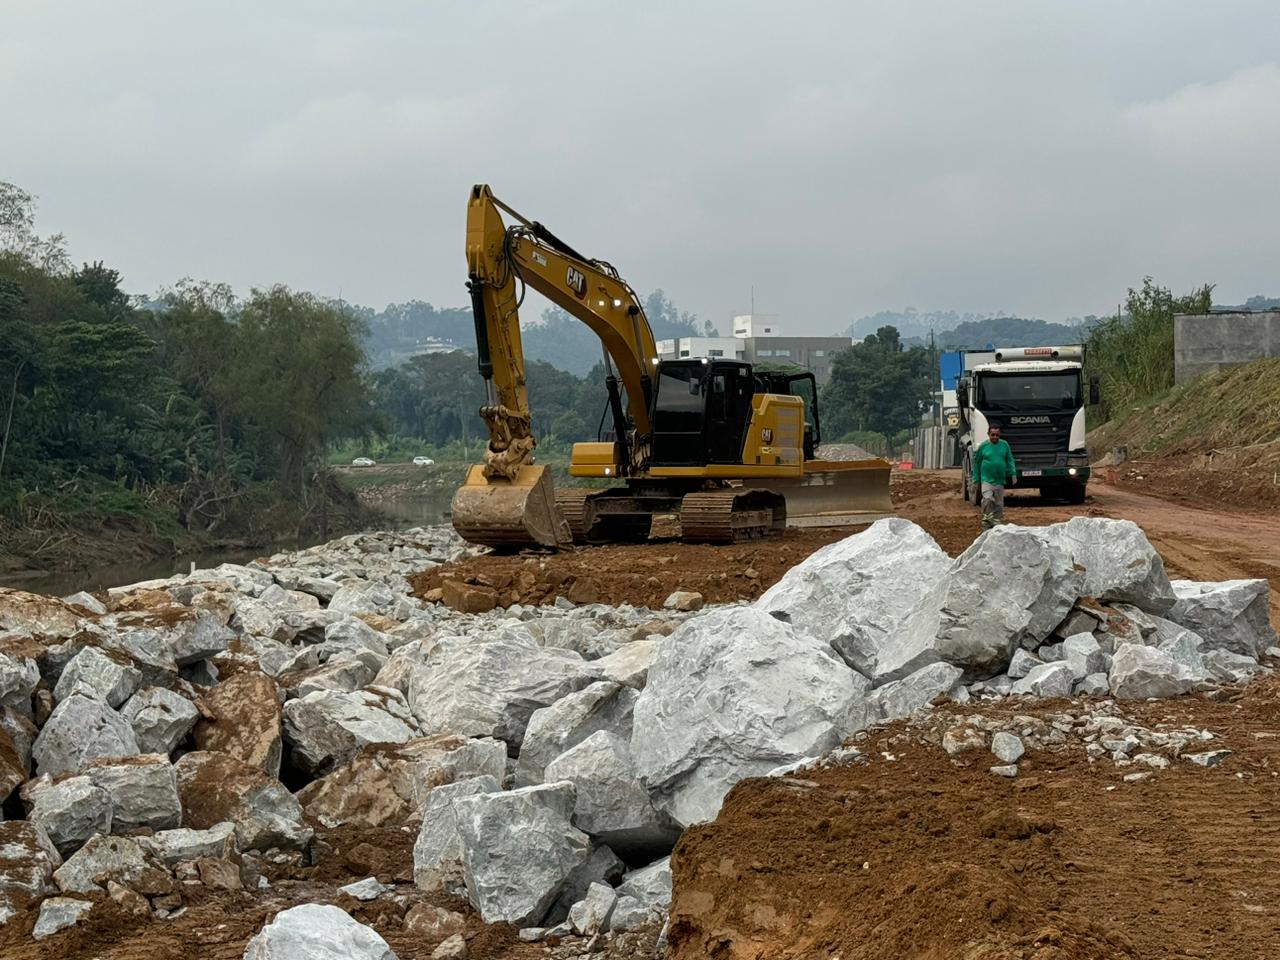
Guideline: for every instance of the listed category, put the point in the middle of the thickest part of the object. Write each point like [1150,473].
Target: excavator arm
[500,259]
[508,499]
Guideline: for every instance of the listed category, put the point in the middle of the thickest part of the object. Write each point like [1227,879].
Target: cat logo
[577,282]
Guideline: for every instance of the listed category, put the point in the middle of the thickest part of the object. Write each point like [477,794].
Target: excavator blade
[509,513]
[834,493]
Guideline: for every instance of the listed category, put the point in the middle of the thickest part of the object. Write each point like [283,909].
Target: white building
[749,325]
[730,348]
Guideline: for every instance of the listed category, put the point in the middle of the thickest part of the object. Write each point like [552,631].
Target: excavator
[727,450]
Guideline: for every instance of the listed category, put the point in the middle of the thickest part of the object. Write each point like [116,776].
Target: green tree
[1131,354]
[876,386]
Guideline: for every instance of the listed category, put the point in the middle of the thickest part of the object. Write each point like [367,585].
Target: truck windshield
[1023,391]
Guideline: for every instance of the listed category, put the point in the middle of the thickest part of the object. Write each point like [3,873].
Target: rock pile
[196,730]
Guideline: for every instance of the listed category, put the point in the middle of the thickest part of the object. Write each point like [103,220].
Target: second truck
[728,451]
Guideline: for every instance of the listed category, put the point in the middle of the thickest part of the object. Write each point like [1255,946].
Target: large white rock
[58,913]
[552,730]
[99,676]
[315,931]
[160,718]
[1118,560]
[650,885]
[80,730]
[1012,587]
[216,787]
[612,805]
[1082,653]
[173,846]
[69,811]
[1227,667]
[901,698]
[735,693]
[590,915]
[198,638]
[853,593]
[1047,680]
[1232,615]
[437,853]
[357,596]
[326,728]
[1139,671]
[19,676]
[143,791]
[102,858]
[28,859]
[519,848]
[491,687]
[630,663]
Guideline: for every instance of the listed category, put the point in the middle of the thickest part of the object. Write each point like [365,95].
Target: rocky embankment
[243,727]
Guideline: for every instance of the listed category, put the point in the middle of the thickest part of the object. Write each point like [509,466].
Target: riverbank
[50,548]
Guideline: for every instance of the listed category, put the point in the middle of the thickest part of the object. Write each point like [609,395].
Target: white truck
[1036,395]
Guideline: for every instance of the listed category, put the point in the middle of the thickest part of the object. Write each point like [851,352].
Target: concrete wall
[1207,344]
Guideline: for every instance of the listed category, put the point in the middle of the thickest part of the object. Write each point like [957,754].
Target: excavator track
[573,507]
[727,516]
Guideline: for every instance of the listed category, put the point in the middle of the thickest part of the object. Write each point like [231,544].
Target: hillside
[1214,440]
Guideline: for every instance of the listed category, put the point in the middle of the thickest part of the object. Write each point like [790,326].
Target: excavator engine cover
[510,513]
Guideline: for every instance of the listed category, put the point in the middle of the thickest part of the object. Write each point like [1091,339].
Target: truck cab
[1036,395]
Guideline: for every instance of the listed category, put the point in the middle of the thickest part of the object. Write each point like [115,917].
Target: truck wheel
[965,485]
[1075,493]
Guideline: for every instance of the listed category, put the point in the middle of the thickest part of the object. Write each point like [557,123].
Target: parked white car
[363,462]
[423,462]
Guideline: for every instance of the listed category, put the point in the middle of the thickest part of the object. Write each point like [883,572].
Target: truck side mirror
[962,395]
[1095,391]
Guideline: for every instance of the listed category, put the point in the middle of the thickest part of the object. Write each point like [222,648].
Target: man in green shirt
[993,469]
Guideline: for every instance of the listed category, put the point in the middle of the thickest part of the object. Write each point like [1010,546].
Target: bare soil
[923,856]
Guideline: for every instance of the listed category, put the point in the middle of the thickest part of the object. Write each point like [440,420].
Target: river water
[421,509]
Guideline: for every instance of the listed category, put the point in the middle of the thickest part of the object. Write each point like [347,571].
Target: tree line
[185,413]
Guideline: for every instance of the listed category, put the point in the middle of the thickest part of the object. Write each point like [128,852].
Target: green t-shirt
[993,463]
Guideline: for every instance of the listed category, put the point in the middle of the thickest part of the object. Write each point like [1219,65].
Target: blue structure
[950,367]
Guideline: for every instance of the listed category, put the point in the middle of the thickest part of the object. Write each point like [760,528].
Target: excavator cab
[700,412]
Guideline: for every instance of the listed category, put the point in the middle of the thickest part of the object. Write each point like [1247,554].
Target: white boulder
[854,592]
[736,693]
[81,729]
[552,730]
[160,718]
[901,698]
[326,728]
[1232,615]
[1118,561]
[58,913]
[437,853]
[519,848]
[1047,680]
[315,931]
[612,806]
[1139,672]
[69,811]
[143,791]
[99,676]
[1011,588]
[1082,653]
[480,687]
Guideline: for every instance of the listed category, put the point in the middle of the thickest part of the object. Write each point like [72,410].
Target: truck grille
[1036,444]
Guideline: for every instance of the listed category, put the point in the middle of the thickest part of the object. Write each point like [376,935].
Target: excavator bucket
[834,493]
[509,513]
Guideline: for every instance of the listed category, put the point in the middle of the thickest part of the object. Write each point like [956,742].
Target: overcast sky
[1033,158]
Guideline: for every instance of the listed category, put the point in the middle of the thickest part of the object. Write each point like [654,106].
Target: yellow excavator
[727,450]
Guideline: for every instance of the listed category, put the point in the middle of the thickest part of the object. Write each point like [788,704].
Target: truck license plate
[1030,473]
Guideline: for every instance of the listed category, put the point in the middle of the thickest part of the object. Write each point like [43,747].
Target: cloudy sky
[1028,157]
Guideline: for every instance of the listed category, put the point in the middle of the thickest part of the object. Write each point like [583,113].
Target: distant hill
[912,323]
[1011,332]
